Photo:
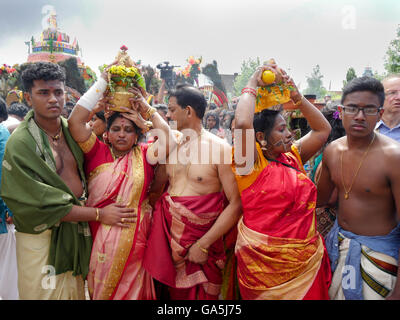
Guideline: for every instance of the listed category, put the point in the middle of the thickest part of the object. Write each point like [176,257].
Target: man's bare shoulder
[336,145]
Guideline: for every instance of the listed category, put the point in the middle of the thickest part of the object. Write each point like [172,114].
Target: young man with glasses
[363,245]
[389,125]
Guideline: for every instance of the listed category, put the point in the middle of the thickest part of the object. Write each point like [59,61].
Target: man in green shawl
[43,184]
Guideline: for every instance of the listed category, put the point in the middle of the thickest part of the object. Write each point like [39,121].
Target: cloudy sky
[299,34]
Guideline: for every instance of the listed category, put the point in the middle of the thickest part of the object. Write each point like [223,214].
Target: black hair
[365,84]
[338,131]
[211,113]
[116,115]
[231,115]
[46,71]
[187,95]
[18,109]
[213,106]
[222,112]
[264,121]
[100,115]
[161,107]
[3,110]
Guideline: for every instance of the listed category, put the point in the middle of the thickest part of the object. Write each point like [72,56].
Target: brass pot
[121,99]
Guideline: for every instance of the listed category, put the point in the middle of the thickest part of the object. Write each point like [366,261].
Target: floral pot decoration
[123,75]
[275,92]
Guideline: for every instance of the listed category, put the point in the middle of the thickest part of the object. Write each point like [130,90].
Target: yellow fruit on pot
[268,77]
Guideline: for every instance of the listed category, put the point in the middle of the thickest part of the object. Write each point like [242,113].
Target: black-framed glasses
[368,111]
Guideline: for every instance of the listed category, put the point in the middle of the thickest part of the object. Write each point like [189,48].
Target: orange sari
[116,270]
[280,255]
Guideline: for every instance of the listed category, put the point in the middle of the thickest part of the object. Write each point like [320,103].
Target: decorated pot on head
[122,76]
[14,95]
[275,92]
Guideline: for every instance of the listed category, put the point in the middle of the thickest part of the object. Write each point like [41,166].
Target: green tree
[392,60]
[74,78]
[315,85]
[379,76]
[247,70]
[350,75]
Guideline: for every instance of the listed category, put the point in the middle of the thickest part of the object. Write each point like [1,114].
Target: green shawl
[39,198]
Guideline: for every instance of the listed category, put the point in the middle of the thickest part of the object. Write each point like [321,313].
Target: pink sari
[115,270]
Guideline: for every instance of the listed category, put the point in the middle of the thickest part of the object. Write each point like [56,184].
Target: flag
[74,43]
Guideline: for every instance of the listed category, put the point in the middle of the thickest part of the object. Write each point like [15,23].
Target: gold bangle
[97,214]
[202,249]
[150,111]
[149,125]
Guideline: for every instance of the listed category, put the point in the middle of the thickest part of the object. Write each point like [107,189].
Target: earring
[105,138]
[264,145]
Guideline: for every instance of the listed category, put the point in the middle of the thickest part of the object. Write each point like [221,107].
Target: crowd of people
[190,201]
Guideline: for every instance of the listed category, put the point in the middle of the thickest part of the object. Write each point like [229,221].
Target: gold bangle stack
[202,249]
[97,214]
[150,111]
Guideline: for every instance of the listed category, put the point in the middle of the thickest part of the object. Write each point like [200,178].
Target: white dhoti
[36,279]
[377,271]
[8,265]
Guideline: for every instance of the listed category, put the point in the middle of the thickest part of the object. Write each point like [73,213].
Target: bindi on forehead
[122,122]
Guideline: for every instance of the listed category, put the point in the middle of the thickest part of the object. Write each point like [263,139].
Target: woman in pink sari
[119,174]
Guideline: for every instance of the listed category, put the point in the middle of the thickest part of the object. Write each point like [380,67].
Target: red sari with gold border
[116,265]
[280,255]
[177,224]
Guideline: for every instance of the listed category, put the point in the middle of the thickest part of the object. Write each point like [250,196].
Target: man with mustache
[389,125]
[364,243]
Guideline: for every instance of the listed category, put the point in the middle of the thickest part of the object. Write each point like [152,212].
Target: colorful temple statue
[53,45]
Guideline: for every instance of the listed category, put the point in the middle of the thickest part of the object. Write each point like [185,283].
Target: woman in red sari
[280,254]
[118,173]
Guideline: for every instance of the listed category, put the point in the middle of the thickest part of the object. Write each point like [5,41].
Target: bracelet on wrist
[149,113]
[250,91]
[202,249]
[97,214]
[149,125]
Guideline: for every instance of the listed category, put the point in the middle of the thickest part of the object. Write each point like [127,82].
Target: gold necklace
[174,194]
[55,137]
[347,192]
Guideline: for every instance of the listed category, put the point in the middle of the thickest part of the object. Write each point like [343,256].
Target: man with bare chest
[185,249]
[42,183]
[364,243]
